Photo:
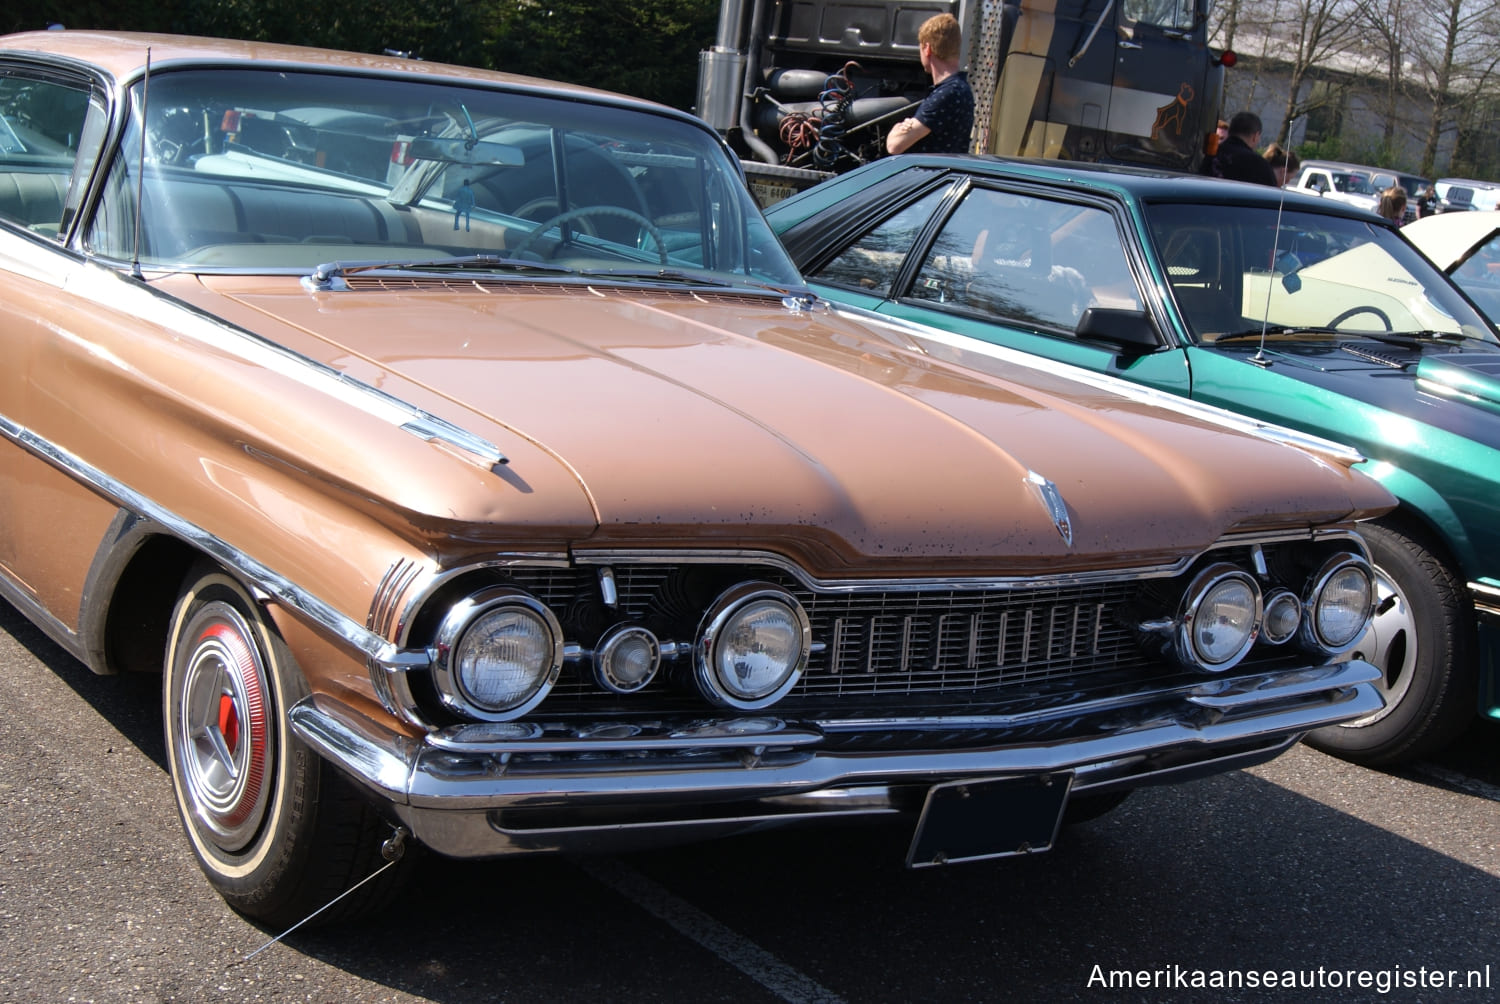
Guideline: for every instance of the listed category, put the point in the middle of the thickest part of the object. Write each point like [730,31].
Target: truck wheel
[1422,641]
[278,833]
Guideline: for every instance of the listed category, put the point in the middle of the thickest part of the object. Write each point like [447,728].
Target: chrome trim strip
[106,286]
[1486,598]
[1114,385]
[259,575]
[589,556]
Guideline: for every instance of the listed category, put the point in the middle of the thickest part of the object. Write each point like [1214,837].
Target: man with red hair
[945,118]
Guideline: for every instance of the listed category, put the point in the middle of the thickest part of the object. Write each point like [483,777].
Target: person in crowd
[1237,158]
[1427,202]
[1284,163]
[1393,204]
[945,118]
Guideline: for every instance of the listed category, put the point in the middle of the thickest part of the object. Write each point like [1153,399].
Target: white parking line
[1459,782]
[746,956]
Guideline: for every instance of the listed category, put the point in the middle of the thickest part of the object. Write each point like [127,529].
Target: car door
[1012,267]
[51,131]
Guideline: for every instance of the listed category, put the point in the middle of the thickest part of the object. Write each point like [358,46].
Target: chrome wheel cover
[1389,644]
[224,743]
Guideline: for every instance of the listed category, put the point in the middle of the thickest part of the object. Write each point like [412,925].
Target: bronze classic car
[469,460]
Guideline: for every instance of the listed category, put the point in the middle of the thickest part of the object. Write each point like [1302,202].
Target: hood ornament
[1057,507]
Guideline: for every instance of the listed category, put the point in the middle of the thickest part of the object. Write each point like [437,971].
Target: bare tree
[1458,58]
[1321,32]
[1386,24]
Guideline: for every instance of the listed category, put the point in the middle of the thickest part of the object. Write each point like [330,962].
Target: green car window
[870,263]
[1022,259]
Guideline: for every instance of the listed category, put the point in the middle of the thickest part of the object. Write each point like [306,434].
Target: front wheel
[1422,641]
[278,833]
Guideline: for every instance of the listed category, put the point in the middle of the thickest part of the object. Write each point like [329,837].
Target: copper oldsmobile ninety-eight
[469,460]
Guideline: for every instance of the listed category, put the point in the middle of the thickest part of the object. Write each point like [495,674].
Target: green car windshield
[1239,271]
[254,170]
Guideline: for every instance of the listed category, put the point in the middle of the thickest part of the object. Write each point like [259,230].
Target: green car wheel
[1422,640]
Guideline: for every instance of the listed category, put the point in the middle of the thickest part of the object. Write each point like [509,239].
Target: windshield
[258,170]
[1354,184]
[1232,271]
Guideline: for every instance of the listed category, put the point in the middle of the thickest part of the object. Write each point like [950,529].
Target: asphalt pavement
[1350,884]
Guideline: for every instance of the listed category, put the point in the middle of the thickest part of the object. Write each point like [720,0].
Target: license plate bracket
[989,818]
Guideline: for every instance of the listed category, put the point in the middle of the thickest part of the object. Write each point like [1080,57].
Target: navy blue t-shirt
[948,111]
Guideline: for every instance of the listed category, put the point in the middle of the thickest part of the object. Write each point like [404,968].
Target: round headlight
[1220,617]
[1283,617]
[1338,604]
[752,647]
[500,651]
[626,659]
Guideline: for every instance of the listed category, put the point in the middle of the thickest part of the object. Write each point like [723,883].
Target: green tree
[648,48]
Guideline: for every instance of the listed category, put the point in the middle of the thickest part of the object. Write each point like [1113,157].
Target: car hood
[715,420]
[1448,238]
[1450,386]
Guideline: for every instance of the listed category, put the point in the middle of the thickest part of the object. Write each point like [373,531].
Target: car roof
[1143,184]
[122,55]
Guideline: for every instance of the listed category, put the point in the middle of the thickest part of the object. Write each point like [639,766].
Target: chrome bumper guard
[490,789]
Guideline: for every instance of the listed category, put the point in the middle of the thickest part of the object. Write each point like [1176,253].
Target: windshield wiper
[322,277]
[1389,337]
[673,275]
[1275,329]
[657,274]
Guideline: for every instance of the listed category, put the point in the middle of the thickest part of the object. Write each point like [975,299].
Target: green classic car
[1277,305]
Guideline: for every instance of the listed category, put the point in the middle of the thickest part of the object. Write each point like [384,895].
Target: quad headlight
[752,647]
[499,653]
[1337,605]
[1219,618]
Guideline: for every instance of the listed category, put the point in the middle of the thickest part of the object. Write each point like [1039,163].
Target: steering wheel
[1356,311]
[621,211]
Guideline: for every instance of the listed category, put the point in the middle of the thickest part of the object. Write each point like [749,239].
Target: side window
[1178,15]
[1022,259]
[870,264]
[41,132]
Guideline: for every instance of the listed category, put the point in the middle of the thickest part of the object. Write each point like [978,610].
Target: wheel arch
[132,586]
[1427,515]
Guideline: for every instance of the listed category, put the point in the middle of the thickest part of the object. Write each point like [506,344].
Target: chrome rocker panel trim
[758,771]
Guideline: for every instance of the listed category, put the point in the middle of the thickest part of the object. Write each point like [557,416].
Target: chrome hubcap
[1389,644]
[223,735]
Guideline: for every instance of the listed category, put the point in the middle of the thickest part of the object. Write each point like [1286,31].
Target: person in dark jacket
[1237,158]
[945,118]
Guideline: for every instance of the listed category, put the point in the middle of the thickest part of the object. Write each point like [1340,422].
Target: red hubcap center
[229,722]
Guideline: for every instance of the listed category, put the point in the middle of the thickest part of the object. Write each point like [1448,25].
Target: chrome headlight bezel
[1203,587]
[723,615]
[462,618]
[1310,635]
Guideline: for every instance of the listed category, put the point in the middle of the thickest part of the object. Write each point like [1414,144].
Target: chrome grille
[958,641]
[877,643]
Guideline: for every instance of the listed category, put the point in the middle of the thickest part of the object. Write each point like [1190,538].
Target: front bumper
[488,790]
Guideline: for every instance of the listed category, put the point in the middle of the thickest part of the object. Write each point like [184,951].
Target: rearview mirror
[463,151]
